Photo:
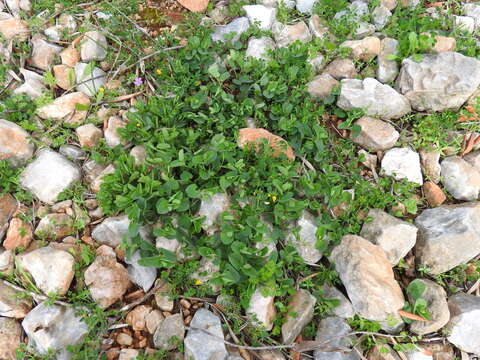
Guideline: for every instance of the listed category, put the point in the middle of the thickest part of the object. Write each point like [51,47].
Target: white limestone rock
[460,178]
[263,15]
[233,29]
[51,269]
[258,48]
[375,98]
[439,82]
[449,236]
[464,327]
[48,175]
[54,327]
[403,163]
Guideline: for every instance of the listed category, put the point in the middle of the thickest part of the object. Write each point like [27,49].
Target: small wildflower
[138,81]
[101,89]
[159,72]
[138,125]
[274,198]
[198,282]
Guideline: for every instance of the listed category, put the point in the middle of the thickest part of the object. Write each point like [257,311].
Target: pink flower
[138,81]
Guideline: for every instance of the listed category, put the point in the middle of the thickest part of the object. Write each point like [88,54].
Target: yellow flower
[138,125]
[198,282]
[159,72]
[274,198]
[101,89]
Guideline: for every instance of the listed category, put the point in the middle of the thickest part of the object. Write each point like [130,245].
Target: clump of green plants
[18,109]
[419,306]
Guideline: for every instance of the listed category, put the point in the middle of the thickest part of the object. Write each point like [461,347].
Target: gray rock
[380,17]
[284,35]
[54,327]
[436,299]
[261,309]
[51,269]
[387,69]
[169,333]
[289,4]
[460,178]
[464,23]
[234,29]
[305,241]
[332,331]
[199,345]
[358,8]
[8,206]
[341,69]
[402,163]
[473,159]
[271,355]
[430,161]
[64,108]
[322,86]
[54,32]
[106,279]
[43,53]
[15,144]
[98,181]
[417,355]
[344,309]
[364,29]
[33,85]
[211,208]
[111,231]
[306,6]
[375,98]
[205,272]
[128,354]
[140,275]
[112,136]
[375,134]
[263,15]
[72,152]
[93,47]
[11,304]
[163,297]
[318,62]
[368,278]
[10,338]
[439,81]
[464,328]
[394,236]
[48,175]
[258,48]
[318,27]
[303,305]
[139,154]
[472,10]
[89,79]
[449,236]
[6,262]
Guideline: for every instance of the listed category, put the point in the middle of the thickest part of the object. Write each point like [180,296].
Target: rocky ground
[281,179]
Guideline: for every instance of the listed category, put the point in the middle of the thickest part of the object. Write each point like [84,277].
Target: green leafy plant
[419,305]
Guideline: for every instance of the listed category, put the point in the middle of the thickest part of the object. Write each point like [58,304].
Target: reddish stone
[255,136]
[434,194]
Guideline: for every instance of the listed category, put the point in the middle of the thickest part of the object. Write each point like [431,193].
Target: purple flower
[138,81]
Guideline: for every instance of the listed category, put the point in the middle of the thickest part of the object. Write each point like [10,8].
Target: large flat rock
[439,82]
[368,278]
[449,236]
[48,175]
